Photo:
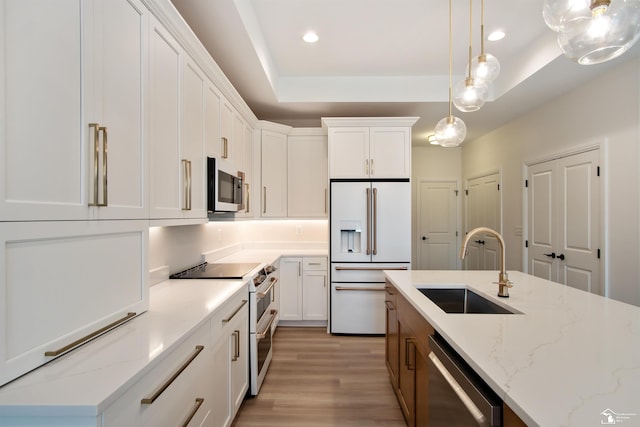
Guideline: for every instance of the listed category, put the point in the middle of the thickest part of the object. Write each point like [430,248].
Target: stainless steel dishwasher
[457,395]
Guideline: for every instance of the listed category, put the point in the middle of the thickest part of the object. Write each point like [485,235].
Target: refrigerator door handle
[368,221]
[375,221]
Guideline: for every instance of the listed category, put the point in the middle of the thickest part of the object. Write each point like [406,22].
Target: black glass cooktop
[232,270]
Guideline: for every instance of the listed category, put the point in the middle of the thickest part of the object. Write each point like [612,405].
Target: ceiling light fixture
[450,131]
[484,66]
[593,31]
[495,36]
[310,37]
[470,94]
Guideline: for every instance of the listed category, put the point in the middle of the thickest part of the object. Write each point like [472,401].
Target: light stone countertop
[567,358]
[87,380]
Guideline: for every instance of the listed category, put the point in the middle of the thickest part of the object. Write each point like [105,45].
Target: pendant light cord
[450,60]
[481,28]
[470,36]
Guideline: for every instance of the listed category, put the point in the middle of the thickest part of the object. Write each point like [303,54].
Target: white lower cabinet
[64,280]
[176,392]
[230,339]
[303,289]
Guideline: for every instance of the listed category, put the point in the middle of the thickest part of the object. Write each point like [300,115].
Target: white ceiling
[380,58]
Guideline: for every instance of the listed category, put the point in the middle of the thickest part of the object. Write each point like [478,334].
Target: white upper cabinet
[369,148]
[274,174]
[63,103]
[212,103]
[227,141]
[307,168]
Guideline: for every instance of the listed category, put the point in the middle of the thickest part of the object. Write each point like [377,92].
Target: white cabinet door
[94,271]
[314,295]
[390,152]
[67,65]
[290,289]
[192,127]
[212,105]
[164,126]
[274,174]
[349,152]
[116,34]
[483,210]
[307,181]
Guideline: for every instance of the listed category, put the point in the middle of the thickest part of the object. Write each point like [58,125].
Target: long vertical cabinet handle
[366,167]
[407,354]
[371,168]
[264,200]
[368,221]
[236,345]
[186,168]
[247,197]
[375,221]
[225,148]
[97,129]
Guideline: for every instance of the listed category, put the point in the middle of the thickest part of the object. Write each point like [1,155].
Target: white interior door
[564,221]
[483,210]
[437,231]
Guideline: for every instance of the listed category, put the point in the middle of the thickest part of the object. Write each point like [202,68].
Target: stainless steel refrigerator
[370,224]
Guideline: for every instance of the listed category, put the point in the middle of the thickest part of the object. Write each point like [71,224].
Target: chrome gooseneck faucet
[503,279]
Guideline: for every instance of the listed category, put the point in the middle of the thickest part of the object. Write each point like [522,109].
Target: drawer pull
[228,319]
[260,295]
[339,268]
[199,402]
[89,337]
[354,288]
[263,334]
[167,383]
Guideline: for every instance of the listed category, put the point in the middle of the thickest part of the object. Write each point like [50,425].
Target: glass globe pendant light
[593,31]
[470,94]
[485,66]
[450,131]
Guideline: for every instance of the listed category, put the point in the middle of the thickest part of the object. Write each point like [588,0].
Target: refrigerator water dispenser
[350,232]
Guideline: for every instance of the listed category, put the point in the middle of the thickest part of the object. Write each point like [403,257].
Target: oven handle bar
[340,268]
[263,334]
[260,295]
[228,319]
[353,288]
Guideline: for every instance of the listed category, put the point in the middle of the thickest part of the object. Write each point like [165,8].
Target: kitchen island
[567,358]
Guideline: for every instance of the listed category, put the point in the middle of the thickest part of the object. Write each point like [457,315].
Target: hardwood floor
[317,379]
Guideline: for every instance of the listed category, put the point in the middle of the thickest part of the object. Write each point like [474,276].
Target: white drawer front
[180,398]
[314,263]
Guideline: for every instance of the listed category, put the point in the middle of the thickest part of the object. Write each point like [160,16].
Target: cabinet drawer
[169,402]
[63,281]
[314,263]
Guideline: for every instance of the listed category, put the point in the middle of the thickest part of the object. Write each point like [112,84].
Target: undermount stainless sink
[462,300]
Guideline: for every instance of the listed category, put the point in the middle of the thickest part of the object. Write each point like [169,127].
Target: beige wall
[605,111]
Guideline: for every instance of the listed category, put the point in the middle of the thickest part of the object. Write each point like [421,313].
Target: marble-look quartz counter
[87,380]
[569,357]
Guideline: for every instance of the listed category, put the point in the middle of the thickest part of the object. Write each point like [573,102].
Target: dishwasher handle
[482,402]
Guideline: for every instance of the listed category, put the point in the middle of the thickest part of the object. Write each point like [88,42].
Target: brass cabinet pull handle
[172,378]
[407,355]
[194,411]
[247,197]
[225,153]
[375,218]
[96,160]
[260,295]
[340,268]
[353,288]
[371,169]
[186,188]
[236,345]
[89,337]
[228,319]
[264,200]
[366,167]
[263,334]
[390,306]
[368,221]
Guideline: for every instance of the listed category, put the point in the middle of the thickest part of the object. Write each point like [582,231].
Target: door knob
[424,238]
[561,257]
[552,255]
[480,242]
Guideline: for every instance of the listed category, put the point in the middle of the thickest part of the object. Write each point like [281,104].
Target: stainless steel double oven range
[263,314]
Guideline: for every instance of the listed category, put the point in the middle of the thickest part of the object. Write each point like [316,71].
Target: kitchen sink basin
[462,300]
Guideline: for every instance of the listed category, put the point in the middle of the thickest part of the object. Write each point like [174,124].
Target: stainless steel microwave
[224,187]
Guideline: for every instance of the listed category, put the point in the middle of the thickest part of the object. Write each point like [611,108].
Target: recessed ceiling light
[495,36]
[310,37]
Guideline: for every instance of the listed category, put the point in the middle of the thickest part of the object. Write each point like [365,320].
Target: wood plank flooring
[317,379]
